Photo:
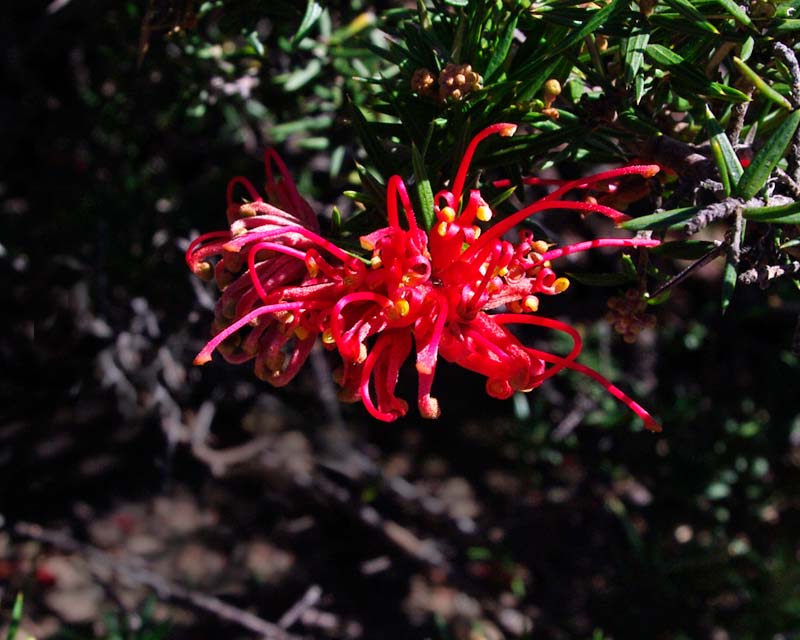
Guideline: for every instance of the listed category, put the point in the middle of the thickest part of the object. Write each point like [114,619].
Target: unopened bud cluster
[455,81]
[628,315]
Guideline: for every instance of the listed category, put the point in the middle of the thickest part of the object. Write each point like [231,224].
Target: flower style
[449,292]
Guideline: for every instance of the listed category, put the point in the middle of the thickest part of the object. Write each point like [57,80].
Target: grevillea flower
[450,292]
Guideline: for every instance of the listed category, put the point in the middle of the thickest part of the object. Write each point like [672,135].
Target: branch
[134,570]
[764,274]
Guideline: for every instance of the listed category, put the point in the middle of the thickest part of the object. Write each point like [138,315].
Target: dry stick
[764,274]
[134,571]
[317,485]
[739,113]
[295,612]
[790,60]
[680,277]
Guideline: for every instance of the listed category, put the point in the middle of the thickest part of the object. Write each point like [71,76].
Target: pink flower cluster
[450,292]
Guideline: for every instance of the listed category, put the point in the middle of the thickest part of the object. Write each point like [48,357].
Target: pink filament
[595,244]
[649,422]
[246,184]
[503,128]
[205,354]
[272,246]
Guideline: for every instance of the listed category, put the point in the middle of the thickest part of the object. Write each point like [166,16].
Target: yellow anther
[531,303]
[561,284]
[477,232]
[502,272]
[301,332]
[327,337]
[447,214]
[540,246]
[247,210]
[441,228]
[376,262]
[366,244]
[204,271]
[484,213]
[313,269]
[402,307]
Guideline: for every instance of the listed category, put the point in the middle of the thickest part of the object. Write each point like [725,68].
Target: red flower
[433,292]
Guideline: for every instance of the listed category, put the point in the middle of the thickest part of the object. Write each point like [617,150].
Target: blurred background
[552,515]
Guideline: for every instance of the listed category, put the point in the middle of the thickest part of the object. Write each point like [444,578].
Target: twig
[711,213]
[134,570]
[739,113]
[424,551]
[680,277]
[220,460]
[296,611]
[764,274]
[790,60]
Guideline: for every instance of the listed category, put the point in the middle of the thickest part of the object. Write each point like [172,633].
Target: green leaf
[730,275]
[253,41]
[782,214]
[312,14]
[372,144]
[16,618]
[634,55]
[697,19]
[502,48]
[689,75]
[762,86]
[755,176]
[730,169]
[739,14]
[672,219]
[729,278]
[302,77]
[423,186]
[457,3]
[590,26]
[629,266]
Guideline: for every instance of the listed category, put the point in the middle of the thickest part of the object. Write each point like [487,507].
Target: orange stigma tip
[202,359]
[508,130]
[366,244]
[649,171]
[652,425]
[441,229]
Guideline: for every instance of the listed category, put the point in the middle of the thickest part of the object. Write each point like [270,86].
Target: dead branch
[135,571]
[762,275]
